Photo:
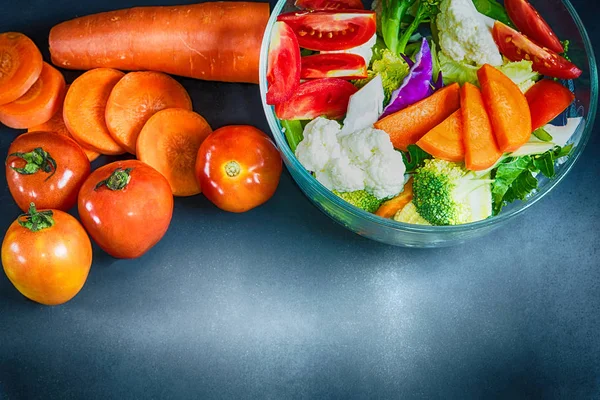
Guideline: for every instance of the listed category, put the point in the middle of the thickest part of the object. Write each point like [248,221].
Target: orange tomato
[238,168]
[47,169]
[126,206]
[47,256]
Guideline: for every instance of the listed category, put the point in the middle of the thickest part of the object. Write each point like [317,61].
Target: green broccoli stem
[410,30]
[392,18]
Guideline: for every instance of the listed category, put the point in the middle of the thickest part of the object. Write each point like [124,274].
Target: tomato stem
[118,180]
[36,159]
[232,169]
[36,221]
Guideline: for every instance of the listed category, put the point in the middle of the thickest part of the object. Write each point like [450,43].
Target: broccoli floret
[361,199]
[444,193]
[393,69]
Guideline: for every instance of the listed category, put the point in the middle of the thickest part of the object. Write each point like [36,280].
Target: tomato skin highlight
[49,266]
[517,47]
[333,65]
[283,70]
[330,4]
[127,222]
[238,168]
[547,99]
[331,30]
[322,97]
[530,23]
[56,190]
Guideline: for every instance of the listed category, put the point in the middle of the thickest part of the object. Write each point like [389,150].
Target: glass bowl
[563,18]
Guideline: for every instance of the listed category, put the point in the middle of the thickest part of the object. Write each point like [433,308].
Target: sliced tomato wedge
[322,97]
[330,4]
[530,23]
[283,70]
[516,47]
[333,65]
[331,30]
[547,99]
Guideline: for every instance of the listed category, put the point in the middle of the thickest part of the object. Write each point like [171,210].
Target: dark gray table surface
[281,302]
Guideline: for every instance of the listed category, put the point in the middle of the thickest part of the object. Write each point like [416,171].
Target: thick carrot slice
[85,106]
[40,102]
[407,126]
[169,142]
[445,141]
[390,207]
[481,150]
[20,65]
[507,108]
[217,40]
[57,124]
[137,97]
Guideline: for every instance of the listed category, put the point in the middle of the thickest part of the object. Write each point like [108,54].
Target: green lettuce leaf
[521,73]
[453,71]
[494,10]
[414,157]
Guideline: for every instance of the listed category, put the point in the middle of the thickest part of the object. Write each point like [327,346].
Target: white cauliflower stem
[364,159]
[464,35]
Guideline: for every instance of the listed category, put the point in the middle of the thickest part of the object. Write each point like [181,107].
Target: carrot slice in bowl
[169,142]
[481,150]
[40,102]
[445,141]
[507,108]
[20,65]
[137,97]
[57,124]
[85,106]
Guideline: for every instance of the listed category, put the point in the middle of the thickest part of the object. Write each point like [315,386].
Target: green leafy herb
[542,134]
[514,178]
[414,157]
[293,131]
[494,10]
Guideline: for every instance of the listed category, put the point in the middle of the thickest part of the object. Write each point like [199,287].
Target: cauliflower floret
[464,35]
[362,160]
[319,145]
[385,175]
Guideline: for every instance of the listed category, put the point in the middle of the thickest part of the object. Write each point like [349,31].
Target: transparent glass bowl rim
[297,168]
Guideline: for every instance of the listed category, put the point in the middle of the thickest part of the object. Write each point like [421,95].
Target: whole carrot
[217,41]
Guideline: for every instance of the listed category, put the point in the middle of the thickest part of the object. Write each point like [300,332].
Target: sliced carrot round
[20,65]
[137,97]
[445,141]
[57,124]
[84,109]
[40,102]
[169,142]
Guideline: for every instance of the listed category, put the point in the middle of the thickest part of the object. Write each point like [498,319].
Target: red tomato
[333,65]
[547,99]
[126,206]
[238,168]
[322,97]
[330,30]
[47,256]
[283,71]
[330,4]
[517,47]
[45,168]
[530,23]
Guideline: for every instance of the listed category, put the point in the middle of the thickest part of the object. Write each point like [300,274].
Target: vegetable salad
[431,112]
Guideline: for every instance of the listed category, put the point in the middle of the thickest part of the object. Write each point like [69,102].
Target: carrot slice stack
[40,102]
[57,124]
[85,106]
[169,142]
[137,97]
[20,66]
